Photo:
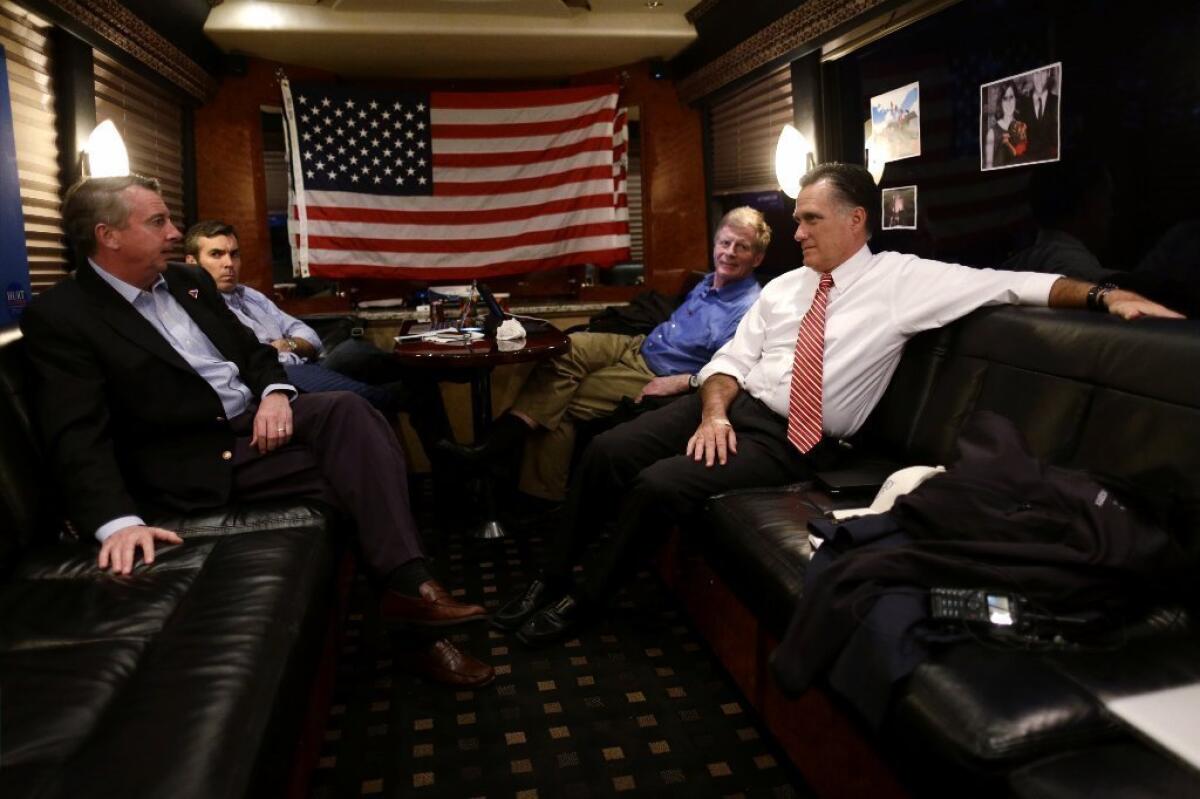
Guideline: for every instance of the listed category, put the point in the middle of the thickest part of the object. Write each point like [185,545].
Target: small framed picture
[900,208]
[896,123]
[1019,119]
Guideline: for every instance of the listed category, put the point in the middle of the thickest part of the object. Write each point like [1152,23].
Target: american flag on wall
[447,185]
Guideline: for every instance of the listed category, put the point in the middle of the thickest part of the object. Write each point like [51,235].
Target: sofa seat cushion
[1125,769]
[180,661]
[989,709]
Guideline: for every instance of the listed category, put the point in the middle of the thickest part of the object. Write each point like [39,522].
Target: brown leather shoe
[443,662]
[433,608]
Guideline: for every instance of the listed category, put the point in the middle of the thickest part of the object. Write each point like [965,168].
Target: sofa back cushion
[1118,399]
[23,480]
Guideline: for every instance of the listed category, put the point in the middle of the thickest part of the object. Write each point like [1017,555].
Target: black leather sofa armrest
[1126,769]
[990,709]
[256,517]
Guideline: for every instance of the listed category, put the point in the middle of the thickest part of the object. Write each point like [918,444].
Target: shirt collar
[731,290]
[127,290]
[850,270]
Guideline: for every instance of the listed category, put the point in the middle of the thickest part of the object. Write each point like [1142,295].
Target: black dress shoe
[552,623]
[462,454]
[521,607]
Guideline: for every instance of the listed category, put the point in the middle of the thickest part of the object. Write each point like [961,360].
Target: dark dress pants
[641,468]
[344,453]
[414,391]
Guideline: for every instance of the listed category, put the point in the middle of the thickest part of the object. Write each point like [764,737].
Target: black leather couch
[192,677]
[1121,400]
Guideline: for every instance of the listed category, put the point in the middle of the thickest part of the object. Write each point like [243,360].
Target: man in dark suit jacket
[1041,119]
[153,398]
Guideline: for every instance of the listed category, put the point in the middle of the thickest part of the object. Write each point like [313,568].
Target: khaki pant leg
[547,459]
[553,383]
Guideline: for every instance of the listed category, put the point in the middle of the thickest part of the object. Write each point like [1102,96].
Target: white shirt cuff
[108,528]
[286,387]
[1035,290]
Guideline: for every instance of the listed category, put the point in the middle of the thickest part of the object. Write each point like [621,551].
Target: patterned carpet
[636,706]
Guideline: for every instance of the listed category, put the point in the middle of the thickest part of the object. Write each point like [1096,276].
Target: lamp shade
[106,153]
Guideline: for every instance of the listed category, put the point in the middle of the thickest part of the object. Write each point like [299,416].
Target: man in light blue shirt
[213,245]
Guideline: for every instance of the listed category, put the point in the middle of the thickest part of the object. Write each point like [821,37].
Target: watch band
[1096,294]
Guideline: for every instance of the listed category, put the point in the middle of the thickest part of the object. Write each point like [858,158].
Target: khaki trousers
[587,382]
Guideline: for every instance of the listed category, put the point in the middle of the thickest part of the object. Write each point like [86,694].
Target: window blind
[743,131]
[29,57]
[633,195]
[150,119]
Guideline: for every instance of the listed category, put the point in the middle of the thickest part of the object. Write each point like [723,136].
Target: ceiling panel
[452,38]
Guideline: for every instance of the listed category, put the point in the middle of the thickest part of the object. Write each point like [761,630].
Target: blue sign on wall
[14,260]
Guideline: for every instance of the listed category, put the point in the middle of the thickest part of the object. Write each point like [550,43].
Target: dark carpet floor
[635,706]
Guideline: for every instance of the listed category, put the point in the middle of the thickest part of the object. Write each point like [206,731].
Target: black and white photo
[1019,119]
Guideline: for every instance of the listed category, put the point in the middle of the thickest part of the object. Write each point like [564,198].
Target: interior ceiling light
[653,3]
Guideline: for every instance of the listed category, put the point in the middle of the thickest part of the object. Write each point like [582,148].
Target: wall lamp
[793,158]
[105,155]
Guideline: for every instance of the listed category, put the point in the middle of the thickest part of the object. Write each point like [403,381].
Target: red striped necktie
[808,368]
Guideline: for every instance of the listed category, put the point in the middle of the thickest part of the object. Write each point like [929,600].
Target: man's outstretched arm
[1070,293]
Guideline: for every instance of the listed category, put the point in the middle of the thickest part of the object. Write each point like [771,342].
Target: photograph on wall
[896,123]
[1018,119]
[900,208]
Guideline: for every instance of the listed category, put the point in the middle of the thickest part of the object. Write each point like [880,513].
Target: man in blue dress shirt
[590,380]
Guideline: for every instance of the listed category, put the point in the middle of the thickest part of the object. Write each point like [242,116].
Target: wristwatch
[1096,295]
[291,343]
[693,382]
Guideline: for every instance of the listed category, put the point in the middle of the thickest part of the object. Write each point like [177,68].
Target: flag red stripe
[518,99]
[592,145]
[340,271]
[445,189]
[493,131]
[331,213]
[490,244]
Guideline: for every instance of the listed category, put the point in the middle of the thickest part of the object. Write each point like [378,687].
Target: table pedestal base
[490,530]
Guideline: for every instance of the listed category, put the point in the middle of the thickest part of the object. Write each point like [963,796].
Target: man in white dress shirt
[736,433]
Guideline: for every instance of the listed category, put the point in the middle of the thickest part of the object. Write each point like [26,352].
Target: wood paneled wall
[229,160]
[676,222]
